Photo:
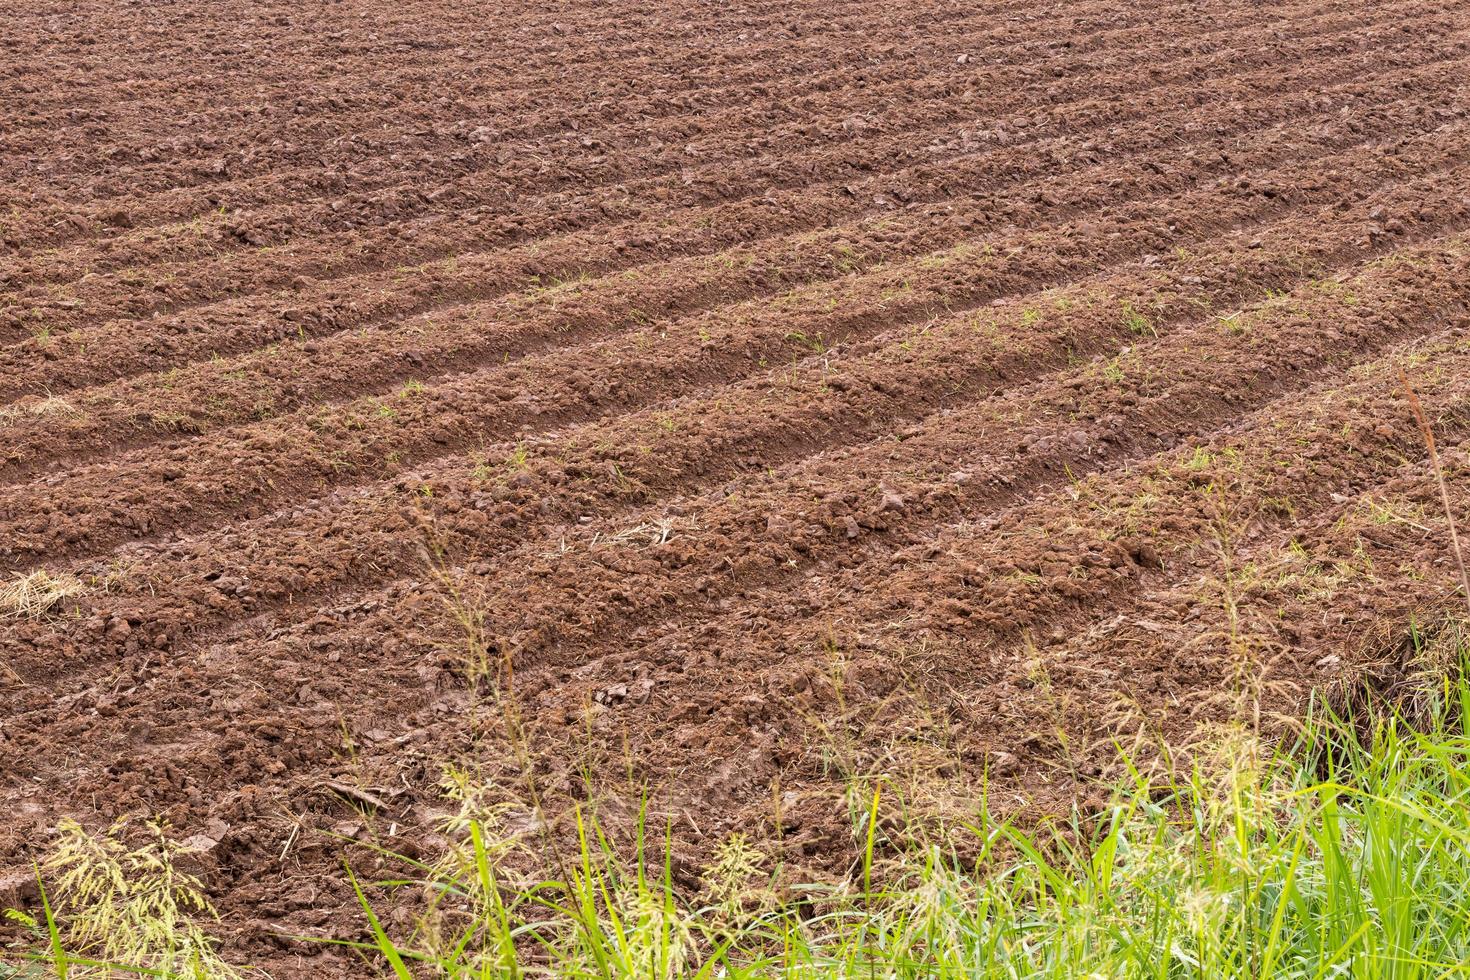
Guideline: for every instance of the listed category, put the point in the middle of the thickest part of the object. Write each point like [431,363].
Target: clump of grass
[51,405]
[1136,322]
[36,595]
[112,908]
[815,343]
[1343,853]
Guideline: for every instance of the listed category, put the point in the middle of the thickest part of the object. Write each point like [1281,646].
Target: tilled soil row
[958,608]
[364,78]
[362,81]
[459,147]
[69,369]
[619,153]
[365,535]
[681,439]
[182,290]
[1061,427]
[762,396]
[784,77]
[1321,604]
[1232,513]
[868,57]
[277,732]
[233,390]
[197,484]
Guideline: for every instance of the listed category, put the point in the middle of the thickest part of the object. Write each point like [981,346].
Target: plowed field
[753,395]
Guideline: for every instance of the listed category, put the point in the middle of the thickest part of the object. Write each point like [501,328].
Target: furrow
[61,363]
[576,476]
[1229,578]
[244,474]
[230,391]
[137,288]
[692,661]
[459,158]
[863,58]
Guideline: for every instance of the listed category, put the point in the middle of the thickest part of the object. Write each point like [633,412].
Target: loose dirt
[761,397]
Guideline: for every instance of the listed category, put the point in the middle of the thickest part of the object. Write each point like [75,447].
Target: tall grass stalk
[1427,432]
[1344,853]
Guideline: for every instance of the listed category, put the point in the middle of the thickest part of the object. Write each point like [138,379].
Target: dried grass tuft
[36,595]
[38,409]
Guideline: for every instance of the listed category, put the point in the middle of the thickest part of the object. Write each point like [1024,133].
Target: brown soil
[789,394]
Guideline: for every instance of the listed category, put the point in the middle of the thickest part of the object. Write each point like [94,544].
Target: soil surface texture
[738,400]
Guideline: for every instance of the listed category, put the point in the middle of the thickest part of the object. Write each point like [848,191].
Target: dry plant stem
[1444,491]
[470,622]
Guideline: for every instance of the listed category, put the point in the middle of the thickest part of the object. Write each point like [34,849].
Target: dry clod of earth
[725,403]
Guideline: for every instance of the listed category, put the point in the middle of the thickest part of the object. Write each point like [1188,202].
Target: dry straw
[35,595]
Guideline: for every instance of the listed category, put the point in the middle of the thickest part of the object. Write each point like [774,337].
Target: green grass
[1336,854]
